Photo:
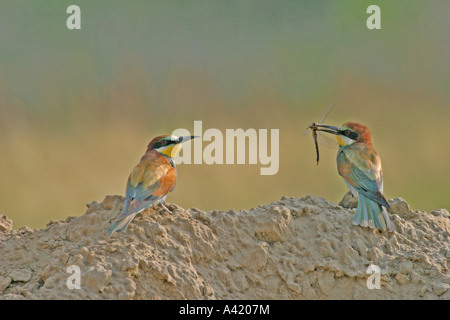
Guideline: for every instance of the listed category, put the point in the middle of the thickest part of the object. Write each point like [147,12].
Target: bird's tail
[371,214]
[119,225]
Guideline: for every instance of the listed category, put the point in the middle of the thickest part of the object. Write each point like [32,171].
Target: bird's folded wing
[361,175]
[148,172]
[144,186]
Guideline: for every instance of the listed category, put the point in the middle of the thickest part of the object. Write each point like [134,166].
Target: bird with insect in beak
[359,164]
[151,180]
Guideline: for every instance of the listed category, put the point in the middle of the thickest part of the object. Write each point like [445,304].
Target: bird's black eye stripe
[162,143]
[350,134]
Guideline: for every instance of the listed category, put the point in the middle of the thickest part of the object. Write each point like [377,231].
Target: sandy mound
[291,249]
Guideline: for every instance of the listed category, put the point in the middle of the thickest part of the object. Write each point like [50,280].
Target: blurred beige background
[78,108]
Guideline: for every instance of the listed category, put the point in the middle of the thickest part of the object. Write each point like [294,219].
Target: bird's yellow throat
[171,150]
[344,141]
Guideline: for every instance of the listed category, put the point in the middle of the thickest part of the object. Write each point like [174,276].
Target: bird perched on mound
[151,180]
[360,166]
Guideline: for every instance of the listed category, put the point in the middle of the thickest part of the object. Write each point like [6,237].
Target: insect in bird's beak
[319,127]
[315,127]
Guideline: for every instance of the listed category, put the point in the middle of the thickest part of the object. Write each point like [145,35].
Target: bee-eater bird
[359,164]
[151,180]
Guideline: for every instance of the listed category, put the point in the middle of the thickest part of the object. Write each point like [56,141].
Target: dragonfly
[314,127]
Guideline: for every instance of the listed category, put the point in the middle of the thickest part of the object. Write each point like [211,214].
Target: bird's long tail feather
[121,224]
[371,214]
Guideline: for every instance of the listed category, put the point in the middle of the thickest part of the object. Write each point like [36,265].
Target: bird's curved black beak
[329,129]
[186,138]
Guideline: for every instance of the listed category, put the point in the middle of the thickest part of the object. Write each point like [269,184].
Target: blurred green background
[78,107]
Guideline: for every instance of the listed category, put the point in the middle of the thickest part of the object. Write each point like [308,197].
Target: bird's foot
[164,209]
